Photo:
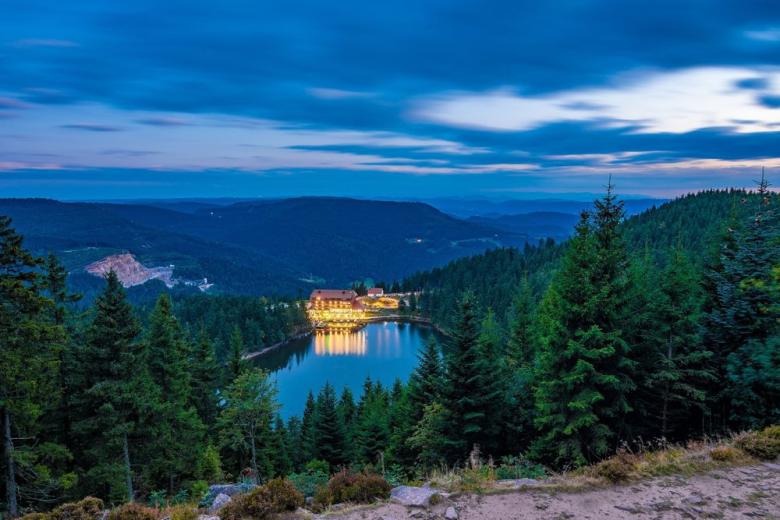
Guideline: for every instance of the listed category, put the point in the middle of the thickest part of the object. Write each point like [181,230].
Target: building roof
[376,290]
[333,294]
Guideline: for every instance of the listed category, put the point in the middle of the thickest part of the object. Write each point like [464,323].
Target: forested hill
[259,247]
[693,222]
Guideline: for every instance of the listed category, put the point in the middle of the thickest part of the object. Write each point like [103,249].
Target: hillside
[258,247]
[536,225]
[693,222]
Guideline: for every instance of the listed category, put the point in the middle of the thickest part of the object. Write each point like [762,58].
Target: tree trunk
[128,471]
[8,448]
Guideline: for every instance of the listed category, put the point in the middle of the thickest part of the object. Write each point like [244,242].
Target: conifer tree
[236,364]
[401,426]
[425,383]
[246,421]
[29,359]
[297,457]
[462,395]
[205,379]
[679,369]
[585,374]
[329,429]
[492,377]
[281,449]
[753,367]
[308,429]
[348,412]
[114,401]
[372,430]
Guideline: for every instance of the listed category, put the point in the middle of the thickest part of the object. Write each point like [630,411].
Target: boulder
[219,502]
[411,496]
[207,517]
[451,513]
[225,489]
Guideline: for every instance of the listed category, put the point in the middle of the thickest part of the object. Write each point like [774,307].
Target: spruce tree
[308,429]
[492,373]
[236,363]
[114,401]
[680,369]
[584,379]
[281,449]
[753,367]
[425,382]
[372,431]
[205,379]
[30,344]
[519,365]
[329,429]
[246,421]
[462,395]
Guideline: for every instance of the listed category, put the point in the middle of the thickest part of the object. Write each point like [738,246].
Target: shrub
[198,489]
[89,508]
[133,511]
[346,486]
[518,467]
[309,482]
[617,468]
[277,496]
[763,445]
[182,513]
[35,516]
[723,454]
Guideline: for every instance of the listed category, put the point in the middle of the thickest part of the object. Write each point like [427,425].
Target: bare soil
[733,493]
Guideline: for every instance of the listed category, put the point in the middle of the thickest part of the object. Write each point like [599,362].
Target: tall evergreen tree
[114,402]
[281,449]
[246,421]
[462,396]
[585,373]
[29,358]
[425,382]
[753,367]
[236,363]
[205,379]
[329,428]
[492,373]
[308,429]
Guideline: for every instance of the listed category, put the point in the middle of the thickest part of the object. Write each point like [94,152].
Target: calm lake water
[382,351]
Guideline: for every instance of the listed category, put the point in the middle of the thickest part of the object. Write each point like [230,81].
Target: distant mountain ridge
[278,246]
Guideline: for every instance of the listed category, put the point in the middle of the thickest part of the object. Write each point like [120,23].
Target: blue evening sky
[501,98]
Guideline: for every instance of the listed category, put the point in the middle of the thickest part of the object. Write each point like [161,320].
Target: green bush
[518,467]
[198,489]
[277,496]
[724,453]
[346,486]
[763,445]
[309,481]
[133,511]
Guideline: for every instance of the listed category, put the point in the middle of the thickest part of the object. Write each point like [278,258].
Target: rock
[219,502]
[411,496]
[207,517]
[451,513]
[225,489]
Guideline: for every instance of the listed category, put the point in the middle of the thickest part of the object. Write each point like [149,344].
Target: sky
[491,98]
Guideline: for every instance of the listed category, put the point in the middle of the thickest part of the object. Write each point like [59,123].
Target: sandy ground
[747,492]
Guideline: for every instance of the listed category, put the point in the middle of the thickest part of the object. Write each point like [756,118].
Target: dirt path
[747,492]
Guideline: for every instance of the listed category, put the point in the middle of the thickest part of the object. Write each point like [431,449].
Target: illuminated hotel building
[335,309]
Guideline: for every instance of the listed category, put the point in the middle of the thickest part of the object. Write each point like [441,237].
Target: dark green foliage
[236,363]
[329,429]
[372,429]
[462,396]
[427,380]
[584,376]
[205,377]
[281,449]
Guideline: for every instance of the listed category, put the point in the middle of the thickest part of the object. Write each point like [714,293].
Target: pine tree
[281,449]
[372,431]
[308,429]
[246,421]
[401,425]
[176,428]
[585,371]
[348,413]
[462,396]
[297,456]
[753,367]
[113,403]
[425,383]
[205,379]
[680,370]
[519,365]
[30,346]
[329,429]
[492,377]
[236,363]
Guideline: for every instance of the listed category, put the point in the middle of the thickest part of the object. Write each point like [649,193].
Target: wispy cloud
[91,127]
[44,42]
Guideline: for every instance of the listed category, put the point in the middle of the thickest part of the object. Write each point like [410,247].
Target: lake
[383,351]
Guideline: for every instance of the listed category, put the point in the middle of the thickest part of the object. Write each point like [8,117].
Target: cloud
[335,93]
[44,42]
[163,121]
[677,102]
[771,34]
[91,127]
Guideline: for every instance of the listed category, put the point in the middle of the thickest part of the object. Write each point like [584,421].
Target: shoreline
[418,320]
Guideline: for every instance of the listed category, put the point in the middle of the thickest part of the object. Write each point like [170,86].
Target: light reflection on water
[382,351]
